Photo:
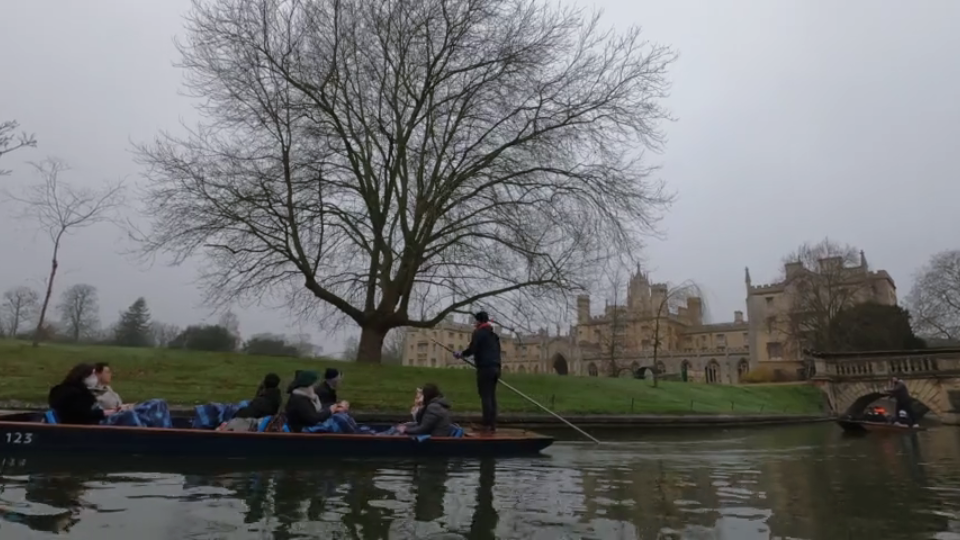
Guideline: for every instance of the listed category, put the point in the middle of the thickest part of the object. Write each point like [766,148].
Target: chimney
[792,268]
[830,264]
[738,317]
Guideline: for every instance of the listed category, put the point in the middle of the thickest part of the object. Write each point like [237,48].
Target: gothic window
[713,372]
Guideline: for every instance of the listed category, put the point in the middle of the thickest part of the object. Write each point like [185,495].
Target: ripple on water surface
[805,483]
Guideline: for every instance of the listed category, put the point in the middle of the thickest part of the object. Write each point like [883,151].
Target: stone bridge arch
[854,397]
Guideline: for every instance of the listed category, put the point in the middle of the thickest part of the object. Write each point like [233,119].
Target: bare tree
[162,333]
[613,335]
[821,280]
[393,346]
[10,140]
[667,301]
[79,311]
[304,346]
[231,322]
[398,161]
[19,307]
[61,209]
[935,298]
[351,349]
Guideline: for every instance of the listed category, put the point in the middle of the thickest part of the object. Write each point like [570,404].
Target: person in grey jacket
[434,417]
[107,398]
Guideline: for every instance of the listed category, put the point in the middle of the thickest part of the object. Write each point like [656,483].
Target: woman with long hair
[433,417]
[72,399]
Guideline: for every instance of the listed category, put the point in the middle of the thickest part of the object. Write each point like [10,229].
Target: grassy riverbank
[187,377]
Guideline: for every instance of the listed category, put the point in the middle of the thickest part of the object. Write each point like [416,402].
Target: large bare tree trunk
[46,296]
[371,345]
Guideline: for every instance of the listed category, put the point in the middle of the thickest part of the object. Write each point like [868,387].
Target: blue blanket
[344,423]
[211,415]
[152,413]
[339,423]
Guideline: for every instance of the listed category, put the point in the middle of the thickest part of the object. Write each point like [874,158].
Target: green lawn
[186,377]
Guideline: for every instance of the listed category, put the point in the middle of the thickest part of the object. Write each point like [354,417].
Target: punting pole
[528,398]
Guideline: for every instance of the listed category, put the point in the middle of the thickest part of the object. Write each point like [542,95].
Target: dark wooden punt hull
[23,435]
[863,426]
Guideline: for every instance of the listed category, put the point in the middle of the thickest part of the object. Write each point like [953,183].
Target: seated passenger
[73,401]
[417,404]
[433,418]
[106,397]
[266,403]
[303,406]
[327,389]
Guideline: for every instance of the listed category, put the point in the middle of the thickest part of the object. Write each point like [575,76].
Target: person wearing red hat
[484,347]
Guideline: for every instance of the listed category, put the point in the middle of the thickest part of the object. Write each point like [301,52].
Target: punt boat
[28,434]
[850,425]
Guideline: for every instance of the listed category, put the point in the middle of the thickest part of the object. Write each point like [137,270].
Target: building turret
[695,310]
[583,309]
[638,292]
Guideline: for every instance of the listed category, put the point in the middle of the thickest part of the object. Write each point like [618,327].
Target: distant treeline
[79,322]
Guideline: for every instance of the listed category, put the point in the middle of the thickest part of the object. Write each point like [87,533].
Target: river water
[801,482]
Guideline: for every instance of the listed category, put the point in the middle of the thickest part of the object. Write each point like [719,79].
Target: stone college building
[624,337]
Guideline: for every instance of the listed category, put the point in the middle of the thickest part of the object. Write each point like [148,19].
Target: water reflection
[799,483]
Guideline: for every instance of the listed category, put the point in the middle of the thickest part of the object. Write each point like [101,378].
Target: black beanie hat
[272,380]
[481,317]
[330,373]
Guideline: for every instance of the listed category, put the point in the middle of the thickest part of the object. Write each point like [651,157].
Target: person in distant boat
[74,402]
[327,389]
[901,395]
[107,398]
[433,418]
[303,406]
[484,347]
[875,414]
[266,403]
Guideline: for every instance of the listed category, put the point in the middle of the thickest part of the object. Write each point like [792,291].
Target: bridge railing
[913,365]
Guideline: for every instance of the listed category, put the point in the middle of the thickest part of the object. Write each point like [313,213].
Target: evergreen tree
[133,330]
[205,338]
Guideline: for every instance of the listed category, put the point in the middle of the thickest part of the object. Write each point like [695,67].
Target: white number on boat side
[19,438]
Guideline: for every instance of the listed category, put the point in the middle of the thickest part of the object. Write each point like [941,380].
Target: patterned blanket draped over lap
[152,413]
[344,423]
[211,415]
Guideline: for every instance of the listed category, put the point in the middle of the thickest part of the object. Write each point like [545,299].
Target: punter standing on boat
[901,396]
[484,347]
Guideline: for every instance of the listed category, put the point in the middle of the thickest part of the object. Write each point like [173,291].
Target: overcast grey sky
[796,120]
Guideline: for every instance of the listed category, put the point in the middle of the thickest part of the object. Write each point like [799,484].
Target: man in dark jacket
[484,347]
[267,401]
[901,396]
[327,388]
